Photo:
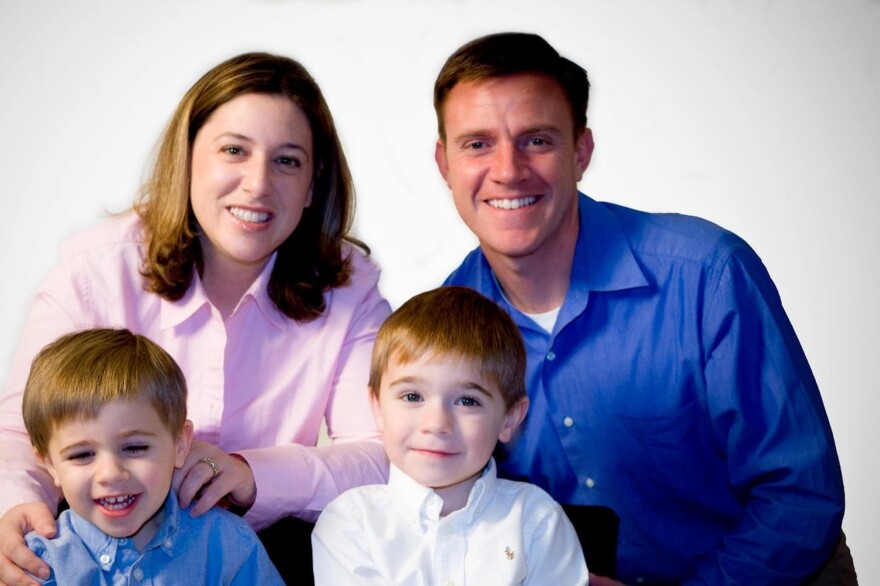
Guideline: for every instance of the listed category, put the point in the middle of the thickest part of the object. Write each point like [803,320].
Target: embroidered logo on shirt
[509,553]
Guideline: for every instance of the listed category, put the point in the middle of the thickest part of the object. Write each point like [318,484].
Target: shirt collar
[603,259]
[174,313]
[104,548]
[421,506]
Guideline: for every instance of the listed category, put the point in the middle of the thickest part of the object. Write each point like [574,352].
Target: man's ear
[514,417]
[440,158]
[50,468]
[184,441]
[583,152]
[377,410]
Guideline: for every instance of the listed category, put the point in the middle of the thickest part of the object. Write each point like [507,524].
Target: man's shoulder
[674,235]
[469,272]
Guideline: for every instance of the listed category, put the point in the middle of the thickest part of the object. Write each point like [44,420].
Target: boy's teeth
[512,204]
[249,215]
[116,503]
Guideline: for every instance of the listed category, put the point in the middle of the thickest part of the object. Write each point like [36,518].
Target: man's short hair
[511,53]
[79,373]
[455,322]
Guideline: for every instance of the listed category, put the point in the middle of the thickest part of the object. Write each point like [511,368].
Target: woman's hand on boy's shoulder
[196,480]
[15,555]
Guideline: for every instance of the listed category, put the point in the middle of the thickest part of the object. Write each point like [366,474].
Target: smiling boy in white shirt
[447,383]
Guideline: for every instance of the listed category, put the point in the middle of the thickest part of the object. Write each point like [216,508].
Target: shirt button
[105,559]
[590,483]
[568,422]
[123,541]
[551,355]
[167,543]
[138,574]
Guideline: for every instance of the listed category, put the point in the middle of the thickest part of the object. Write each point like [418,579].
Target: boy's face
[441,420]
[115,470]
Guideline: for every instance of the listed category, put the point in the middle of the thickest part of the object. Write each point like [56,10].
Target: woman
[236,260]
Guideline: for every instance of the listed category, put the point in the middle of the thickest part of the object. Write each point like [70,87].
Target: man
[665,380]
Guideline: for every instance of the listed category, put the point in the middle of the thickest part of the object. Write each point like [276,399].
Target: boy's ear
[514,417]
[377,410]
[47,462]
[184,441]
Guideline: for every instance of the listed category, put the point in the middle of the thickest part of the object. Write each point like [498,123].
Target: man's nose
[509,164]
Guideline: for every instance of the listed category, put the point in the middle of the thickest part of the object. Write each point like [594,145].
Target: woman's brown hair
[311,260]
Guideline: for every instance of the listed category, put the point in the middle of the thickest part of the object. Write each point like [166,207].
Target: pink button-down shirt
[259,383]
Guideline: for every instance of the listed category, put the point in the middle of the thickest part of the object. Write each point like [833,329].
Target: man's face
[512,162]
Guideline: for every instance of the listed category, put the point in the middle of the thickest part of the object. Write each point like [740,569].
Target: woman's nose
[256,180]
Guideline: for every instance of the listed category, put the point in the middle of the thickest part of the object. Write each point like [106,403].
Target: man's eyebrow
[470,135]
[481,133]
[542,128]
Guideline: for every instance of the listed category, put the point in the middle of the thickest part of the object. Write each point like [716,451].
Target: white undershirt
[546,319]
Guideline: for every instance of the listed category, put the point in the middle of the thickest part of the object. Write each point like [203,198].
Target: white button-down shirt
[508,533]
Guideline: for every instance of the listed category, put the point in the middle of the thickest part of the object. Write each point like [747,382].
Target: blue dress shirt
[215,548]
[673,390]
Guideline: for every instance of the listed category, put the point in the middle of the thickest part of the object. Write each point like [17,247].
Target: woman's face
[252,168]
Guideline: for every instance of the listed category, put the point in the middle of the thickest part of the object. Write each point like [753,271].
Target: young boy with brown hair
[105,410]
[447,383]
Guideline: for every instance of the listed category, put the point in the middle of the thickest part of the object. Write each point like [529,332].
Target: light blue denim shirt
[216,548]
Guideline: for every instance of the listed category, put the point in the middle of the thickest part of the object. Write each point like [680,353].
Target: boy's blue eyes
[464,401]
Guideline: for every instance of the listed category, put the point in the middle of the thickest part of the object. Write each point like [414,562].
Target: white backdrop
[763,116]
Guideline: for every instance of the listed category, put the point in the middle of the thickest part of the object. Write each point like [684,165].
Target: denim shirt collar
[105,549]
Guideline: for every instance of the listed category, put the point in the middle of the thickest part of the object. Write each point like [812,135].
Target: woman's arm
[300,480]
